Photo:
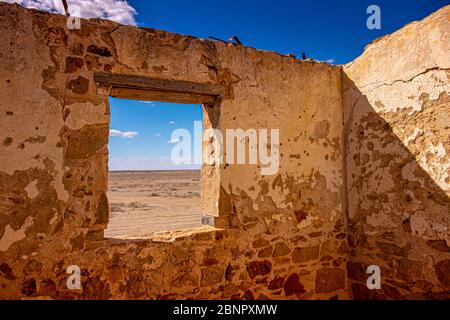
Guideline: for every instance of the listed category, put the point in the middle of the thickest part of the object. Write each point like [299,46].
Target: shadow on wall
[398,214]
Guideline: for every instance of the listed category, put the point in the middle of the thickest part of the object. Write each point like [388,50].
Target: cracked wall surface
[276,236]
[364,139]
[397,161]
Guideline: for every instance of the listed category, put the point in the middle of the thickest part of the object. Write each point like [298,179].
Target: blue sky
[324,29]
[332,31]
[142,137]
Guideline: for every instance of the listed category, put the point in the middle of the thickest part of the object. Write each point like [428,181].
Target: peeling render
[397,162]
[363,179]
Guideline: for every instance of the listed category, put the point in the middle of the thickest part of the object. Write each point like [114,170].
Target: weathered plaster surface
[280,235]
[365,139]
[397,115]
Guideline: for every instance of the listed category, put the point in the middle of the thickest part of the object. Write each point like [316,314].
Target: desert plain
[144,202]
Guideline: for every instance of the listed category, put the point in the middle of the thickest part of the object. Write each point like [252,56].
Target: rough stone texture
[397,116]
[378,133]
[53,175]
[330,280]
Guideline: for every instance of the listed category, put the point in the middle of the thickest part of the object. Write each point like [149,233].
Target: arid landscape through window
[147,192]
[142,202]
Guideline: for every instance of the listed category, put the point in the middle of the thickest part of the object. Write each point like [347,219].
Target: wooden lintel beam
[162,85]
[163,96]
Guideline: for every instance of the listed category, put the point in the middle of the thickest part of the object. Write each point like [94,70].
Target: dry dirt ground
[142,202]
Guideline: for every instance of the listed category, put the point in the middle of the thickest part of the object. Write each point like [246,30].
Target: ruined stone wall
[397,117]
[280,236]
[370,140]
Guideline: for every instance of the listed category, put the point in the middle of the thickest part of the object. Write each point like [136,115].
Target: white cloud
[148,102]
[174,141]
[172,122]
[117,10]
[331,60]
[123,134]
